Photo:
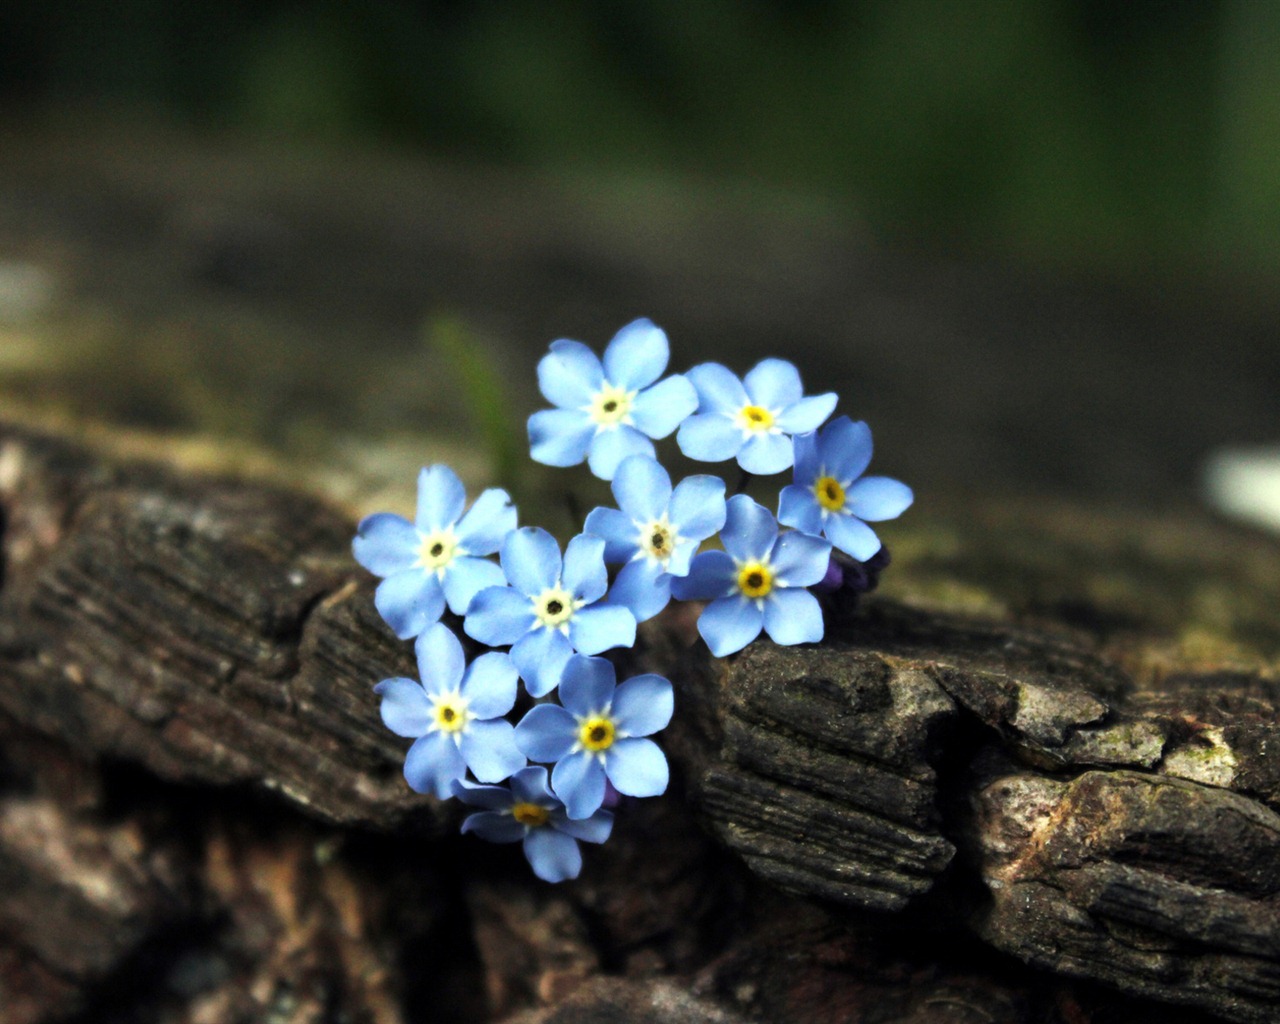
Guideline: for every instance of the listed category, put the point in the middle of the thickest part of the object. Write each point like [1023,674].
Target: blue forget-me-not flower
[654,531]
[830,495]
[551,608]
[605,412]
[527,810]
[598,734]
[751,419]
[434,560]
[756,582]
[454,716]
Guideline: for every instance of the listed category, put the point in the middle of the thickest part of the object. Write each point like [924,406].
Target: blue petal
[844,449]
[491,798]
[642,705]
[807,414]
[409,601]
[405,708]
[730,624]
[466,577]
[807,461]
[793,617]
[712,574]
[876,498]
[658,410]
[601,628]
[766,454]
[547,733]
[709,437]
[585,576]
[620,535]
[433,764]
[642,587]
[587,686]
[498,615]
[642,488]
[490,685]
[560,437]
[697,506]
[749,529]
[531,560]
[800,560]
[678,563]
[540,656]
[579,782]
[494,826]
[610,447]
[798,507]
[774,384]
[532,785]
[489,748]
[441,498]
[487,523]
[637,355]
[719,390]
[852,536]
[637,768]
[569,374]
[385,543]
[595,829]
[554,856]
[440,659]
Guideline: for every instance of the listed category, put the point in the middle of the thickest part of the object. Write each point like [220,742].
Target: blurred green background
[1090,131]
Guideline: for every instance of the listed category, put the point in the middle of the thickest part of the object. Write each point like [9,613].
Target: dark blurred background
[1033,242]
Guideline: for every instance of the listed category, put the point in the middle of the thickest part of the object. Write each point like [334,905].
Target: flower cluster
[547,615]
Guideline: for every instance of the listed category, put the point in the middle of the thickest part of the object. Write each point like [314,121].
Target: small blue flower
[654,531]
[529,811]
[454,716]
[598,734]
[605,413]
[550,610]
[751,419]
[831,497]
[757,581]
[434,559]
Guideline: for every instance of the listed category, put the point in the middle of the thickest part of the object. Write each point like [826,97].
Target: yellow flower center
[755,580]
[451,713]
[437,549]
[610,406]
[754,419]
[658,539]
[596,733]
[829,493]
[554,607]
[530,814]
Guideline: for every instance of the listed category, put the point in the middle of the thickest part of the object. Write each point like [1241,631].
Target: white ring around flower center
[611,406]
[658,538]
[756,419]
[436,550]
[449,711]
[554,607]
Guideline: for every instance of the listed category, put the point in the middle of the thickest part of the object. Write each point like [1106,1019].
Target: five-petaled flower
[455,716]
[598,734]
[527,810]
[757,581]
[831,497]
[654,531]
[606,412]
[434,559]
[752,419]
[551,608]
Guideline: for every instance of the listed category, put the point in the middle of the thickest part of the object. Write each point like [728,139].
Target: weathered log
[1060,736]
